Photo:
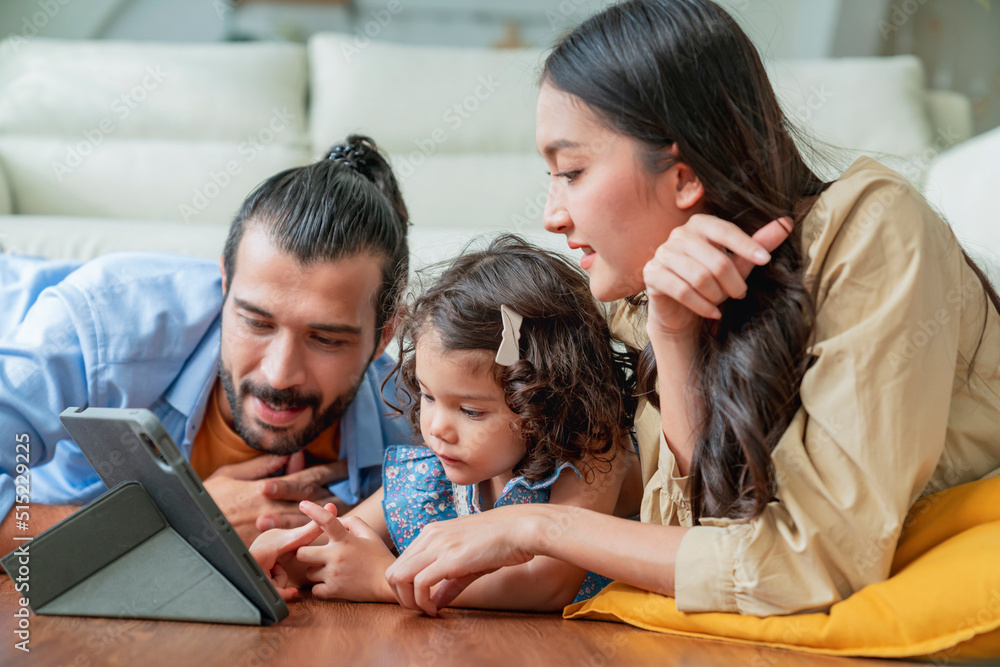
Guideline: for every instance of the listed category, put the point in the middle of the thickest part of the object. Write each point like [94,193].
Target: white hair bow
[508,353]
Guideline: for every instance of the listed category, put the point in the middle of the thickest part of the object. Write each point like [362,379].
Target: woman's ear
[688,190]
[679,185]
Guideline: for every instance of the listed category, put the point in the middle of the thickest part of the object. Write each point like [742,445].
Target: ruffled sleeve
[521,491]
[416,492]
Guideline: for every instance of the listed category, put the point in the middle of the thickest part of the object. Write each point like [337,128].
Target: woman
[817,356]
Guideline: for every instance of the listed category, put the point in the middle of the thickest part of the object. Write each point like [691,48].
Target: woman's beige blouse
[889,410]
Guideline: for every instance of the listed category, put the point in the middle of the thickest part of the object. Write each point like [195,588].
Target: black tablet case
[155,546]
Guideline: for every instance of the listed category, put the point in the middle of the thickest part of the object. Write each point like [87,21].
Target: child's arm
[543,583]
[349,563]
[370,511]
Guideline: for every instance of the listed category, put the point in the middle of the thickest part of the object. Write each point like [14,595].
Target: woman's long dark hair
[682,72]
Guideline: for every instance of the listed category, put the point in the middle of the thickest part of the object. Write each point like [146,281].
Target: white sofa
[110,146]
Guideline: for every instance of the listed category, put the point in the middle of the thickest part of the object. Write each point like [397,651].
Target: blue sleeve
[42,371]
[113,333]
[22,279]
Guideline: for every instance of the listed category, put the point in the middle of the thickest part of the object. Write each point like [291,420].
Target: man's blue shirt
[137,330]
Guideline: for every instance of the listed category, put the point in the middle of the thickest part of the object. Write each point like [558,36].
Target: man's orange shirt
[217,444]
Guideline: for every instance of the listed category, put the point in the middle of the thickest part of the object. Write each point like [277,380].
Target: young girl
[817,356]
[509,373]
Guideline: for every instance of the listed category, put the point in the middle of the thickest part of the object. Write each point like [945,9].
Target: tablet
[127,445]
[117,557]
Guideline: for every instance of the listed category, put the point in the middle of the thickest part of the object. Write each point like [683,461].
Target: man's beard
[287,399]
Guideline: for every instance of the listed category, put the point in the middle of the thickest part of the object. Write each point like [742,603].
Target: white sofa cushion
[431,246]
[849,107]
[142,179]
[85,238]
[872,104]
[950,114]
[420,98]
[474,191]
[963,185]
[212,92]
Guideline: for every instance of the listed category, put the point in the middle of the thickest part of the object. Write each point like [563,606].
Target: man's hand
[252,501]
[307,484]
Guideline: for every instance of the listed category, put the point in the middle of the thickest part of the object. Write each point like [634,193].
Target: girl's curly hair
[572,388]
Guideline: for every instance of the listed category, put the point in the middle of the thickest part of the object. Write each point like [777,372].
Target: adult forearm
[678,408]
[542,584]
[640,554]
[40,518]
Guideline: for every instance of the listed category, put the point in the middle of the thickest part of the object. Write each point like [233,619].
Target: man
[274,367]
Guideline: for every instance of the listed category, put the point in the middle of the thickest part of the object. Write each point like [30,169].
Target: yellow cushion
[942,599]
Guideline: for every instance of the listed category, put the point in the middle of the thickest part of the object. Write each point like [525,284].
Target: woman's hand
[455,553]
[703,263]
[353,562]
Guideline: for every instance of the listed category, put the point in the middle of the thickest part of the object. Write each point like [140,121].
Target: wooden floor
[329,633]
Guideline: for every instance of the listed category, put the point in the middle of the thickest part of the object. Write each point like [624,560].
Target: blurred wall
[959,44]
[79,19]
[958,40]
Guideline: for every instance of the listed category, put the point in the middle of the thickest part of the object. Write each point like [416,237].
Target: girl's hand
[703,263]
[455,553]
[353,562]
[274,549]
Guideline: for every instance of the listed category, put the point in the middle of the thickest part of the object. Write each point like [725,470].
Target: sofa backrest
[459,124]
[181,133]
[147,131]
[963,185]
[877,107]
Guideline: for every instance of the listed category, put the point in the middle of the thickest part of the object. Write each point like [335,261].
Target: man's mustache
[288,399]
